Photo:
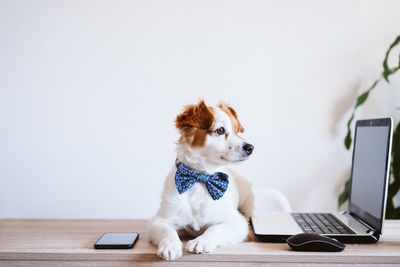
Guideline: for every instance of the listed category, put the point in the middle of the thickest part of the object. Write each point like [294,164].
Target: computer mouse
[314,242]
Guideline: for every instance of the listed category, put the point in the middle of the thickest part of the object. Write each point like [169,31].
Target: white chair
[269,199]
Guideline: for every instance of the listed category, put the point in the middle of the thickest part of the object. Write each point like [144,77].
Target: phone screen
[116,240]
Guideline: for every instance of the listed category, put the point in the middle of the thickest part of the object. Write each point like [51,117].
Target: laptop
[363,221]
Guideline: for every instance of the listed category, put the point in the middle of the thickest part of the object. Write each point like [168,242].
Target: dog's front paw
[169,249]
[201,245]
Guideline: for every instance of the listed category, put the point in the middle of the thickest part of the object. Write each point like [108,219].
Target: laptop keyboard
[321,223]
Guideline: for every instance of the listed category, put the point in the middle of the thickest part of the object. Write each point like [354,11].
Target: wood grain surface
[69,242]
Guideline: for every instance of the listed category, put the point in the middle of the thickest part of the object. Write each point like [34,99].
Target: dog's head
[211,134]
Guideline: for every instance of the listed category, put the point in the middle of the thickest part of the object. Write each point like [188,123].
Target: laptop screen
[370,171]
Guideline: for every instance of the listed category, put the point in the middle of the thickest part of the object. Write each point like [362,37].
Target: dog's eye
[220,131]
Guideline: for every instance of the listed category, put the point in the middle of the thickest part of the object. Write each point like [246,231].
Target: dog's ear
[237,126]
[198,116]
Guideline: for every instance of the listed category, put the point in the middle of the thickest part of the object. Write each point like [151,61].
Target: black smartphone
[116,241]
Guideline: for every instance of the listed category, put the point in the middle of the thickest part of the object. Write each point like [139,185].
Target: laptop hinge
[368,229]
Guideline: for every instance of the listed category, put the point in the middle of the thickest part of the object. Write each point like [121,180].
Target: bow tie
[185,178]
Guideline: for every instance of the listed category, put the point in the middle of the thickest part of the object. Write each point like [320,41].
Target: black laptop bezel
[356,211]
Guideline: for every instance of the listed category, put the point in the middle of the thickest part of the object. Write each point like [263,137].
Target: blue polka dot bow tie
[185,178]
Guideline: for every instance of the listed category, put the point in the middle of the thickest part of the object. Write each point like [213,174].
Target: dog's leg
[165,237]
[229,232]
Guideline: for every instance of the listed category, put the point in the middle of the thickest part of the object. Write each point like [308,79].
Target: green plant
[392,212]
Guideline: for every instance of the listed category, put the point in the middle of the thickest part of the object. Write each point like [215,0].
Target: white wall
[89,91]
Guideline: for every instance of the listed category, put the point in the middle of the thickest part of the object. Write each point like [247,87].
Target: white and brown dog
[201,202]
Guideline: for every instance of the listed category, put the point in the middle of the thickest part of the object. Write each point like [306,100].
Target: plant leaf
[386,70]
[347,139]
[396,213]
[361,99]
[394,187]
[389,208]
[345,193]
[396,153]
[393,212]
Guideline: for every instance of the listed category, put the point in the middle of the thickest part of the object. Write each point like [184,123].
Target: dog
[215,206]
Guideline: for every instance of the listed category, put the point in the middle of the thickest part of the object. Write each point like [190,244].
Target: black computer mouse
[314,242]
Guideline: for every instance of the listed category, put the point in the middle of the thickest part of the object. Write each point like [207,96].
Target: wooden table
[30,242]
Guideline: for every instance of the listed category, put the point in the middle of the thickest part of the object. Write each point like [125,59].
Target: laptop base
[276,227]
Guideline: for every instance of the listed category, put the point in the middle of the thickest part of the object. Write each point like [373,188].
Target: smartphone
[116,241]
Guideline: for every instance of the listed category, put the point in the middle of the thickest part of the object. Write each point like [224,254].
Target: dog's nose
[248,148]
